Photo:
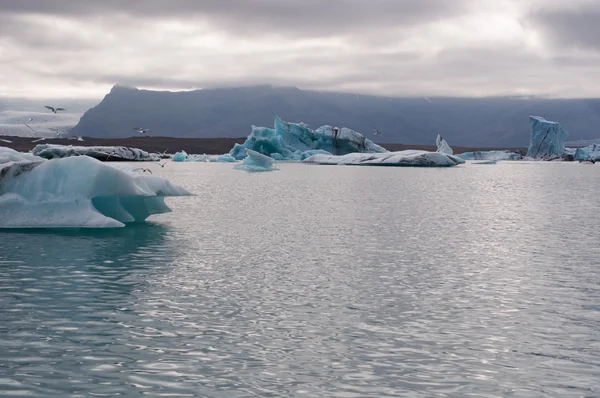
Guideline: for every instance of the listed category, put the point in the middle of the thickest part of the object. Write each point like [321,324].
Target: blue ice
[256,162]
[547,138]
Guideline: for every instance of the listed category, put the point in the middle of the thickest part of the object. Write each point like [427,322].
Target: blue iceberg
[256,162]
[76,192]
[297,141]
[490,155]
[408,158]
[184,157]
[590,152]
[547,138]
[103,153]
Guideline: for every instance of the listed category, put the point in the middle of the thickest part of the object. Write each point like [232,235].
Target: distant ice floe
[76,192]
[297,141]
[104,153]
[256,162]
[408,158]
[490,155]
[182,156]
[486,162]
[547,138]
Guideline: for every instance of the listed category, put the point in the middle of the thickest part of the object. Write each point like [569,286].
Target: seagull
[144,170]
[141,130]
[31,128]
[39,139]
[428,99]
[377,132]
[7,141]
[162,164]
[55,109]
[55,130]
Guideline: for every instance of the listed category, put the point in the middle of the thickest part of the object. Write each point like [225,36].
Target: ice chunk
[581,154]
[180,157]
[412,158]
[256,162]
[490,155]
[591,152]
[293,141]
[487,162]
[79,192]
[547,138]
[104,153]
[442,146]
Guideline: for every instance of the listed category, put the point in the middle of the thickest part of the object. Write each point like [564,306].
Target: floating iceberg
[547,138]
[442,146]
[256,162]
[297,141]
[591,152]
[184,157]
[490,155]
[76,192]
[409,158]
[103,153]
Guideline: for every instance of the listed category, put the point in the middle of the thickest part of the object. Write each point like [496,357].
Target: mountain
[229,112]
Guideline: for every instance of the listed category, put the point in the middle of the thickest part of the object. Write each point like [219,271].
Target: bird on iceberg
[53,109]
[141,130]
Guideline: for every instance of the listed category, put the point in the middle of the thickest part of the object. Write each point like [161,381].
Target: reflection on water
[336,281]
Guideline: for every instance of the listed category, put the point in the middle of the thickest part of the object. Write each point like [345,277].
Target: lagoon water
[318,281]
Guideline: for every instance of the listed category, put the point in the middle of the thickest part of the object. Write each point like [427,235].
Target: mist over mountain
[230,112]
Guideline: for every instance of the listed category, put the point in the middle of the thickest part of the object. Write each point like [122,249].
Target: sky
[468,48]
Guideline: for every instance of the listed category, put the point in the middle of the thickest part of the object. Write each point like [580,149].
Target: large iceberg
[442,146]
[408,158]
[103,153]
[297,141]
[490,155]
[547,138]
[76,192]
[256,162]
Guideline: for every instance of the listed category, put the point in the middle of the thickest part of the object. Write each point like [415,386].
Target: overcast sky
[81,48]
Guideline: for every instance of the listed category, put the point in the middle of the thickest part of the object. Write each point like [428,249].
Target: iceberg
[297,141]
[442,146]
[547,138]
[184,157]
[103,153]
[76,192]
[408,158]
[490,155]
[591,152]
[486,162]
[256,162]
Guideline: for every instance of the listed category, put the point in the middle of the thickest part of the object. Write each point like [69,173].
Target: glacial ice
[547,138]
[184,157]
[112,153]
[76,192]
[256,162]
[442,146]
[591,152]
[297,141]
[410,158]
[490,155]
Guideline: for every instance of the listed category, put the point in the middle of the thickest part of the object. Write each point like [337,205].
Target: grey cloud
[578,27]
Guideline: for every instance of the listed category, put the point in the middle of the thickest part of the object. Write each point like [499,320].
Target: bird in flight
[54,109]
[377,132]
[144,170]
[31,128]
[55,130]
[141,130]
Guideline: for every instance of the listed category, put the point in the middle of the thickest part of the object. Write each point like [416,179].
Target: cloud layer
[73,48]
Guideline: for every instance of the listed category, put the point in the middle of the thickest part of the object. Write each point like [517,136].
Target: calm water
[318,281]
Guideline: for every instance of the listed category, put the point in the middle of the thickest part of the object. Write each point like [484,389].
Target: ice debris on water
[256,162]
[76,192]
[547,138]
[297,141]
[490,155]
[408,158]
[184,157]
[103,153]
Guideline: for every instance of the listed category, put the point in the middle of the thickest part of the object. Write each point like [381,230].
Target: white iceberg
[547,138]
[408,158]
[486,162]
[104,153]
[490,155]
[256,162]
[76,192]
[442,146]
[297,141]
[184,157]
